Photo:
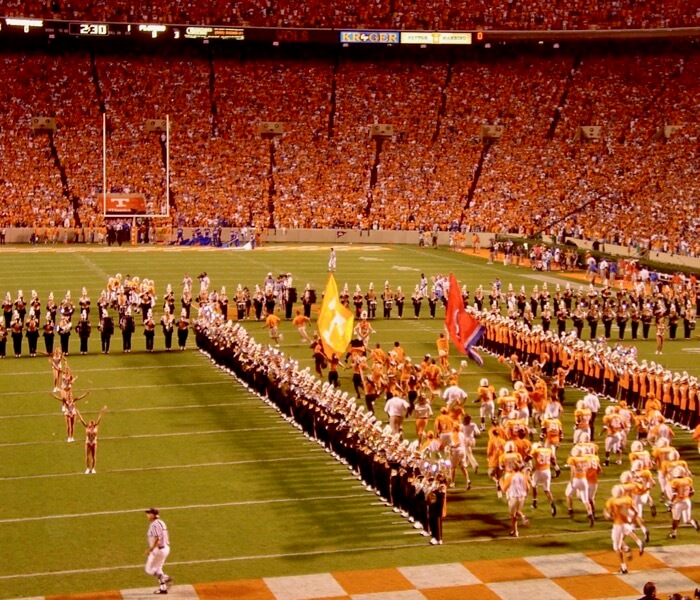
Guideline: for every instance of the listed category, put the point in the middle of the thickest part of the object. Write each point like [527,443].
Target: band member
[35,304]
[32,332]
[149,330]
[52,308]
[400,299]
[357,300]
[183,331]
[49,333]
[432,302]
[106,328]
[307,300]
[345,296]
[84,302]
[186,301]
[269,299]
[67,307]
[167,322]
[416,299]
[17,333]
[388,300]
[169,299]
[20,306]
[223,304]
[371,298]
[7,310]
[258,303]
[128,326]
[83,329]
[64,331]
[91,440]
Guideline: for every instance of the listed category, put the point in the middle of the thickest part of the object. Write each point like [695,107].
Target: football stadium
[349,301]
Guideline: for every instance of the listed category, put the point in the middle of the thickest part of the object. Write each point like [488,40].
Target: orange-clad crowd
[632,186]
[428,14]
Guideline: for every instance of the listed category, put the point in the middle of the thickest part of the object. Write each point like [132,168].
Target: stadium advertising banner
[124,205]
[367,36]
[436,38]
[291,36]
[216,33]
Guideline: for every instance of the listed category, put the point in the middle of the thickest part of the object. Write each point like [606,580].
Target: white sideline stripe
[255,405]
[159,468]
[104,513]
[132,387]
[281,428]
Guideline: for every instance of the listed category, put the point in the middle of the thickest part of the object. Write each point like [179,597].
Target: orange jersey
[681,488]
[510,461]
[552,430]
[543,458]
[494,450]
[300,321]
[582,417]
[579,466]
[620,510]
[272,321]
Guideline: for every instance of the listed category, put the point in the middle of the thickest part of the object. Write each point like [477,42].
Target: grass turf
[243,493]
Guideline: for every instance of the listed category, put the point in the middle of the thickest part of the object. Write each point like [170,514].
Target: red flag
[465,331]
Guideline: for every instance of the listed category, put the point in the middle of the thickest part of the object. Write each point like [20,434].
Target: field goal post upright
[133,206]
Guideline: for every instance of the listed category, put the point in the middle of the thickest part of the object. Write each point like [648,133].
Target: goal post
[118,205]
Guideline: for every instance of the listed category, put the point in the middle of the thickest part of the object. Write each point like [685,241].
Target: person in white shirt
[158,550]
[592,403]
[454,396]
[516,487]
[471,431]
[396,408]
[458,454]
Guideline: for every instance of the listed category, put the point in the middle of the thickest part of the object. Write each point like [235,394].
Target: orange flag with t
[335,321]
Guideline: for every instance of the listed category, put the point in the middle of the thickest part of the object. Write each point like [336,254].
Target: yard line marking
[281,429]
[93,267]
[158,468]
[130,368]
[103,513]
[225,559]
[131,387]
[248,404]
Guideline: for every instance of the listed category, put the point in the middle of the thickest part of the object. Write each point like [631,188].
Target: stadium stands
[637,187]
[429,14]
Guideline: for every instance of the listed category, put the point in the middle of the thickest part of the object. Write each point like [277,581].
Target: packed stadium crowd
[325,171]
[428,14]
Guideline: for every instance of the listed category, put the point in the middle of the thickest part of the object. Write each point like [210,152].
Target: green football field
[244,494]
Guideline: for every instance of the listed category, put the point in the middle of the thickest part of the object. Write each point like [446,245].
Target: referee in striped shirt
[158,550]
